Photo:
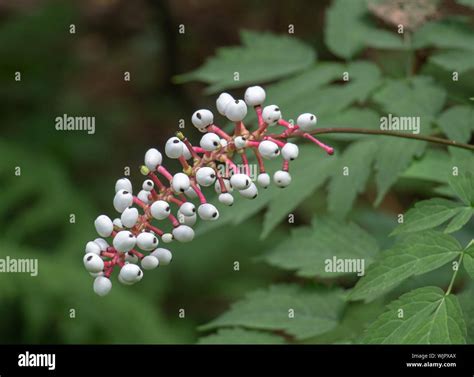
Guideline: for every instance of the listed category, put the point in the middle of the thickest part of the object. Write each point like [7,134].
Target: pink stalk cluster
[220,161]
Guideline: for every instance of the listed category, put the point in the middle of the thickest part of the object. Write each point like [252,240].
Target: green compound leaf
[427,214]
[350,176]
[308,249]
[461,219]
[448,33]
[463,186]
[454,61]
[414,255]
[468,260]
[241,336]
[348,31]
[316,311]
[262,57]
[457,122]
[422,316]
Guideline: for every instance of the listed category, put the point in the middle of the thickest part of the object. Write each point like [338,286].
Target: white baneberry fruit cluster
[177,200]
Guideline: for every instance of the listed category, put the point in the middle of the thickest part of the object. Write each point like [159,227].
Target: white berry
[180,182]
[271,114]
[117,223]
[147,241]
[307,121]
[183,233]
[186,220]
[190,193]
[123,184]
[250,192]
[205,176]
[174,148]
[167,237]
[122,200]
[222,101]
[103,226]
[92,247]
[164,256]
[153,158]
[240,142]
[102,285]
[289,151]
[124,241]
[148,185]
[268,149]
[93,263]
[131,273]
[226,199]
[207,211]
[228,186]
[254,96]
[236,110]
[202,118]
[160,209]
[131,257]
[150,262]
[210,142]
[144,196]
[263,180]
[102,243]
[187,209]
[240,181]
[282,178]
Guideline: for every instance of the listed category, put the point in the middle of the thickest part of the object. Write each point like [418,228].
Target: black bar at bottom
[217,360]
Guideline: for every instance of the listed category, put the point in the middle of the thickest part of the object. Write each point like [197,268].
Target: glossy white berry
[210,142]
[223,143]
[250,192]
[282,178]
[123,184]
[150,262]
[96,274]
[147,241]
[102,244]
[226,199]
[144,196]
[153,158]
[117,223]
[206,176]
[124,241]
[186,220]
[236,110]
[131,273]
[93,263]
[289,151]
[102,285]
[268,149]
[131,257]
[103,226]
[160,209]
[240,142]
[263,180]
[254,96]
[167,237]
[190,193]
[120,279]
[187,209]
[228,186]
[222,102]
[148,185]
[122,199]
[240,181]
[163,255]
[174,147]
[92,247]
[271,114]
[186,153]
[202,118]
[180,182]
[207,211]
[183,233]
[307,121]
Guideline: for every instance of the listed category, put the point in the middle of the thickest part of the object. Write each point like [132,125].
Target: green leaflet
[468,260]
[315,310]
[241,336]
[415,255]
[428,214]
[259,59]
[347,31]
[457,122]
[463,186]
[447,33]
[308,248]
[350,176]
[422,316]
[455,61]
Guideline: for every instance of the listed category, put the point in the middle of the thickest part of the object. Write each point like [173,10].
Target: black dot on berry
[155,240]
[311,117]
[215,143]
[125,192]
[168,208]
[246,182]
[176,141]
[236,101]
[89,258]
[213,176]
[182,190]
[277,109]
[254,196]
[139,273]
[276,151]
[130,235]
[149,183]
[214,214]
[198,115]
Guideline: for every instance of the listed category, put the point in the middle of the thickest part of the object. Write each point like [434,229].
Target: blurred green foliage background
[67,173]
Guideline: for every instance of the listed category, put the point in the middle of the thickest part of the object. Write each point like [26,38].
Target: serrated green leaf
[463,186]
[348,30]
[308,249]
[312,169]
[422,316]
[414,255]
[454,61]
[458,221]
[241,336]
[316,311]
[435,165]
[427,214]
[448,33]
[468,260]
[457,122]
[350,176]
[262,57]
